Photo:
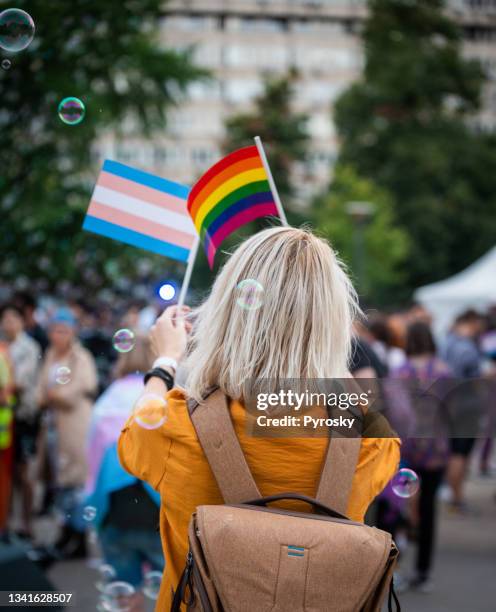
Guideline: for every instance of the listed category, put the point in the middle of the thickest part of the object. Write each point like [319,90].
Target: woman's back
[171,460]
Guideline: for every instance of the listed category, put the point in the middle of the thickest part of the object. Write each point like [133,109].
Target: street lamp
[360,214]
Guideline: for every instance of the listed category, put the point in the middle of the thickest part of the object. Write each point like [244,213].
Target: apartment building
[241,41]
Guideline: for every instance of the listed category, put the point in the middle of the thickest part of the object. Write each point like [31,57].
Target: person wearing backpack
[427,456]
[237,556]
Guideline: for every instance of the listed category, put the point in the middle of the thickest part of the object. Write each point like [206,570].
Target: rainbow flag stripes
[141,209]
[230,194]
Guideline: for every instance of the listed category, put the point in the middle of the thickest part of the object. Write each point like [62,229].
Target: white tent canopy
[474,287]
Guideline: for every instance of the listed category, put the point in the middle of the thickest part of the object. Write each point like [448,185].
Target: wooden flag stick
[189,270]
[272,185]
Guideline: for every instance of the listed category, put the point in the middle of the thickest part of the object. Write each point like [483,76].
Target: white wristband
[165,362]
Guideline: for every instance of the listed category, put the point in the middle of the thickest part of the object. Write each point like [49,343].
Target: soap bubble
[106,574]
[6,64]
[89,513]
[249,294]
[150,411]
[123,340]
[71,111]
[63,375]
[16,29]
[117,596]
[151,585]
[405,483]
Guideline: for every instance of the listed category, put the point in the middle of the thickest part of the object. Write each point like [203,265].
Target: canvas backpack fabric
[248,556]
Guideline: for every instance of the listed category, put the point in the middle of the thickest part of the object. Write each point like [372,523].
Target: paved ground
[465,571]
[465,566]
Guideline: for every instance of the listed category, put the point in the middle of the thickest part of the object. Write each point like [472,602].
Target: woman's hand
[169,334]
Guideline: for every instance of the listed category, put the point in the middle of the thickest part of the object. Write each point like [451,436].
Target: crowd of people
[66,392]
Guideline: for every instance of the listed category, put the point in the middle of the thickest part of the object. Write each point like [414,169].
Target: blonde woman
[303,329]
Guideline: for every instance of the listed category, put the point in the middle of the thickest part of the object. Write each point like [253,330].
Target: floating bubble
[151,584]
[89,513]
[63,375]
[150,411]
[123,340]
[405,483]
[106,574]
[71,111]
[6,64]
[249,294]
[16,29]
[117,596]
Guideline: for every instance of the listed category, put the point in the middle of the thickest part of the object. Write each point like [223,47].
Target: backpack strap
[212,422]
[337,473]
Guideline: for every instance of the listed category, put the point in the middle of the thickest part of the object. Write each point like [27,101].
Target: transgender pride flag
[143,210]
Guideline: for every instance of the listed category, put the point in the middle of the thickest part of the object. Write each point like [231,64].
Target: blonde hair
[303,328]
[138,360]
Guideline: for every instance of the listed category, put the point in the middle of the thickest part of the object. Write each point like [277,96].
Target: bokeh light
[167,292]
[123,340]
[71,111]
[150,411]
[16,30]
[6,64]
[405,483]
[249,294]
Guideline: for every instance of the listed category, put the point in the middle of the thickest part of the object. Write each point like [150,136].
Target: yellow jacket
[171,460]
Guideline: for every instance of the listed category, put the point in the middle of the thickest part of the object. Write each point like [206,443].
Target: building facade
[242,41]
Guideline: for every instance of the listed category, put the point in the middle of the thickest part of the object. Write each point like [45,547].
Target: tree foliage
[385,246]
[406,125]
[282,130]
[109,55]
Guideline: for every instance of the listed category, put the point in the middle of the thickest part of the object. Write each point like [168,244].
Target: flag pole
[272,184]
[189,270]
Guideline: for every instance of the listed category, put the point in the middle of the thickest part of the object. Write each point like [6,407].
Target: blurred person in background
[418,313]
[382,342]
[25,356]
[6,437]
[98,341]
[461,353]
[364,362]
[66,391]
[27,303]
[427,456]
[125,509]
[488,348]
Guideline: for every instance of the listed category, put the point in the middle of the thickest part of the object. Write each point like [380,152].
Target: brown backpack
[247,557]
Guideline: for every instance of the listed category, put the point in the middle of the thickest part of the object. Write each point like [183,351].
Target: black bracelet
[165,377]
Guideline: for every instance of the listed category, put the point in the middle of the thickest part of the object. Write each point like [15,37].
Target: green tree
[374,249]
[283,131]
[405,125]
[109,55]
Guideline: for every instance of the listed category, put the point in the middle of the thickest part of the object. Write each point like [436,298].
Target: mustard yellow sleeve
[377,463]
[144,452]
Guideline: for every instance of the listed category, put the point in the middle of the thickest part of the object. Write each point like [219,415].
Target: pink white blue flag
[143,210]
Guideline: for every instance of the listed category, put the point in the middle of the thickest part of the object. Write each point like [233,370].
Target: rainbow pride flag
[230,194]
